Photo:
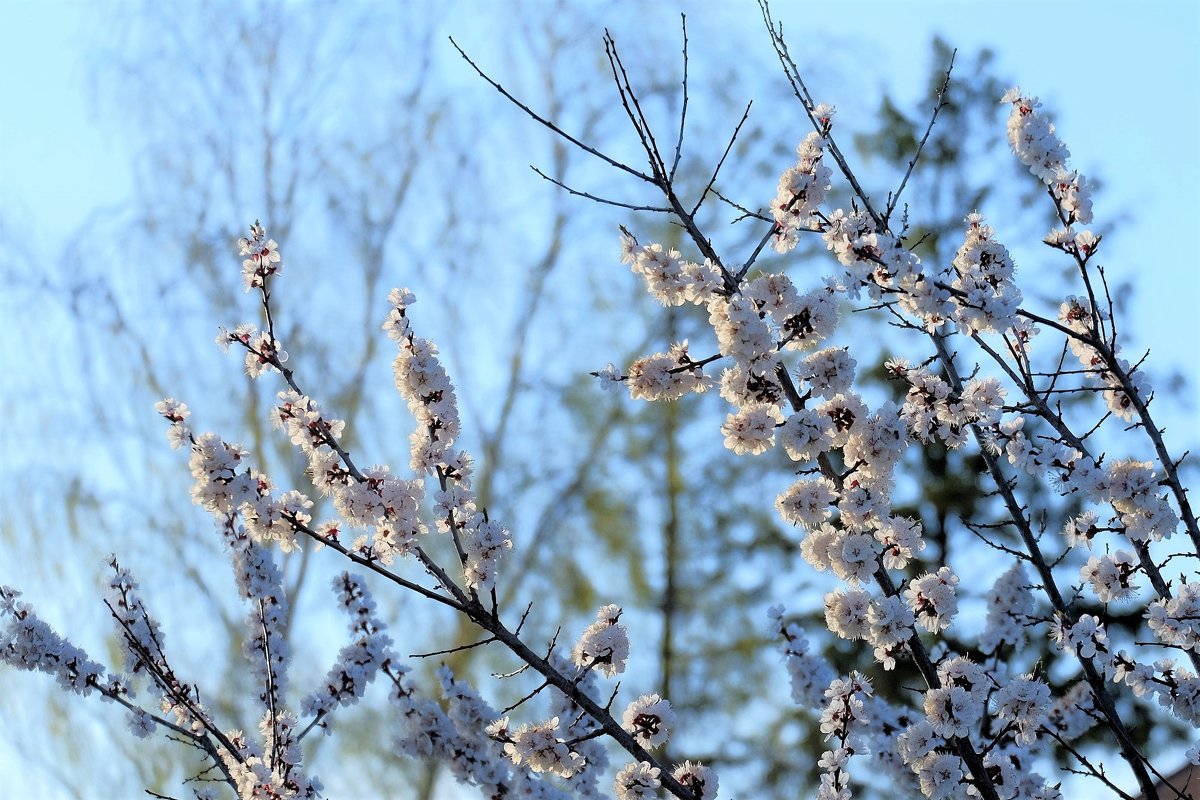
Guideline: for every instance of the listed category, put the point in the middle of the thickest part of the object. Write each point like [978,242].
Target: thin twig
[684,108]
[716,170]
[557,130]
[596,198]
[942,102]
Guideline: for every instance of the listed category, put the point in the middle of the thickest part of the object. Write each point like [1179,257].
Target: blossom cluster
[27,642]
[359,662]
[604,645]
[801,191]
[262,257]
[424,384]
[847,452]
[1038,147]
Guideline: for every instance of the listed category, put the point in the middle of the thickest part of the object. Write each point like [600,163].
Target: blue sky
[1122,82]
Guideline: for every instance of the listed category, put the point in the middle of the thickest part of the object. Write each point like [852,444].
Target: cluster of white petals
[847,613]
[637,781]
[1023,702]
[891,625]
[1111,575]
[751,429]
[177,414]
[933,598]
[1119,380]
[604,645]
[666,376]
[1143,511]
[1087,637]
[27,642]
[1010,609]
[538,747]
[1176,621]
[668,277]
[845,709]
[986,298]
[262,259]
[357,663]
[701,780]
[809,672]
[801,192]
[650,719]
[1038,147]
[425,385]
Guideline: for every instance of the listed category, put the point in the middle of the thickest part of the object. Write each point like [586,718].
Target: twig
[942,102]
[597,198]
[684,108]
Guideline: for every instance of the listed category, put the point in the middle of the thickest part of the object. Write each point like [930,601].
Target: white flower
[637,781]
[917,741]
[140,723]
[942,777]
[809,320]
[1111,575]
[1010,606]
[856,560]
[828,372]
[1086,637]
[397,324]
[604,645]
[610,377]
[1079,531]
[263,259]
[751,429]
[263,354]
[891,622]
[932,599]
[807,503]
[1033,139]
[1024,702]
[801,190]
[650,720]
[662,376]
[806,434]
[847,412]
[539,748]
[952,711]
[901,538]
[846,613]
[1176,621]
[701,780]
[663,270]
[172,410]
[846,705]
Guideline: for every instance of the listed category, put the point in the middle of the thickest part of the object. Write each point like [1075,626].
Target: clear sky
[1121,80]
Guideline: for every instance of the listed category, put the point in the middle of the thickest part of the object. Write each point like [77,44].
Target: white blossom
[650,719]
[604,645]
[933,599]
[636,781]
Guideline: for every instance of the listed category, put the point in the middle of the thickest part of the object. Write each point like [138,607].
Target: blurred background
[138,140]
